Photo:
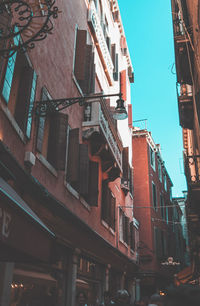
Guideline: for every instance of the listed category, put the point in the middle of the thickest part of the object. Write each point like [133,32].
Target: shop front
[24,238]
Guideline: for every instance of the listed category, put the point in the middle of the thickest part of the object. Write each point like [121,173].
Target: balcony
[100,129]
[185,106]
[183,53]
[192,172]
[100,42]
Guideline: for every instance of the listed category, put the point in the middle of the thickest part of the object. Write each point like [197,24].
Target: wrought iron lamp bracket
[24,22]
[43,108]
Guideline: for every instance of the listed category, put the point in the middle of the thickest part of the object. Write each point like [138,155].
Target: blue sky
[148,29]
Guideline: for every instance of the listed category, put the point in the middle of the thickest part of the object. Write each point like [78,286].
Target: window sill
[124,243]
[108,227]
[13,122]
[43,160]
[77,196]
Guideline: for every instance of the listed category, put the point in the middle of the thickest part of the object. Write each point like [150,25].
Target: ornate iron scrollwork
[23,22]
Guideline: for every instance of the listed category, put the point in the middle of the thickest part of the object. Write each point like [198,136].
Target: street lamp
[42,108]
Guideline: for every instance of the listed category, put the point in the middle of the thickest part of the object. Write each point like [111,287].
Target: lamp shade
[120,112]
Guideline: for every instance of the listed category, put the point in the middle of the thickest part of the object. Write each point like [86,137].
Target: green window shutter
[83,169]
[93,192]
[73,158]
[57,140]
[31,105]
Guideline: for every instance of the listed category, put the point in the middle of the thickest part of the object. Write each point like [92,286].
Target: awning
[23,235]
[184,276]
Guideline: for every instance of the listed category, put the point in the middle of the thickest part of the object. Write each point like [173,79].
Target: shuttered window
[83,169]
[52,136]
[84,68]
[57,140]
[125,163]
[126,230]
[123,84]
[154,195]
[114,57]
[93,190]
[108,205]
[73,158]
[132,236]
[130,116]
[25,98]
[18,90]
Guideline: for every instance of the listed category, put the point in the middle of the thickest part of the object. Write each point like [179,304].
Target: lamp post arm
[52,105]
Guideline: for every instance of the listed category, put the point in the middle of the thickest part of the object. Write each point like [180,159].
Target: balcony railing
[192,170]
[185,105]
[98,116]
[100,40]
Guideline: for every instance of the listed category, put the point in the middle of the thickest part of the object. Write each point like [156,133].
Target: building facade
[66,216]
[186,21]
[154,210]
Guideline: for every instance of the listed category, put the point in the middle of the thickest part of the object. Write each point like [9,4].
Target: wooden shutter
[112,212]
[131,180]
[73,158]
[132,236]
[93,194]
[130,116]
[81,47]
[124,226]
[125,163]
[127,230]
[113,55]
[123,84]
[83,169]
[92,75]
[23,97]
[104,201]
[88,69]
[57,140]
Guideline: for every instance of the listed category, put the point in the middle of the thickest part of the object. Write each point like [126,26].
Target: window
[162,206]
[152,157]
[166,214]
[154,195]
[84,68]
[165,181]
[132,236]
[82,173]
[52,136]
[18,90]
[125,229]
[159,170]
[114,57]
[108,205]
